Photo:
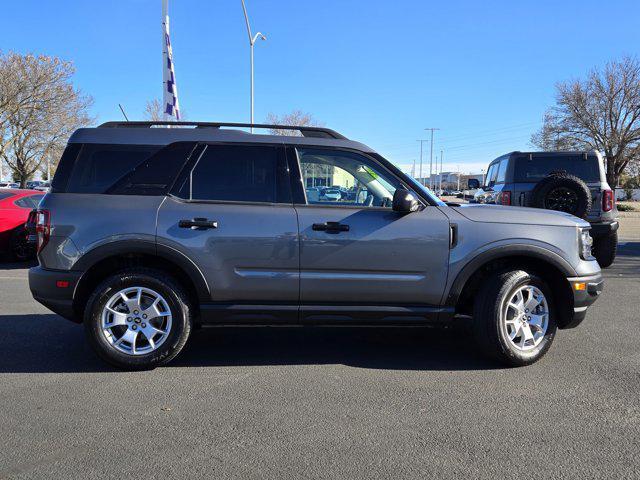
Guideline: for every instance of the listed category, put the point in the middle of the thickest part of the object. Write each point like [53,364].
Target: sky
[380,72]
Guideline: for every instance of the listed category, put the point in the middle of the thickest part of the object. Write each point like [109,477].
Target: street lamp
[252,41]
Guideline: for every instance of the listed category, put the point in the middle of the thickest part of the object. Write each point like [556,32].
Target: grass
[625,207]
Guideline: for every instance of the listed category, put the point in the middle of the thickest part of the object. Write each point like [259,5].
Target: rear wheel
[514,318]
[138,319]
[605,249]
[19,247]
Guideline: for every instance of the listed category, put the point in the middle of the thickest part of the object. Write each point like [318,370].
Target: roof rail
[318,132]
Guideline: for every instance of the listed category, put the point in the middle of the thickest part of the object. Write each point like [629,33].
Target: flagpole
[165,12]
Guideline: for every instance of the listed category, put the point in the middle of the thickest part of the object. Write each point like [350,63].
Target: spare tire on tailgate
[564,192]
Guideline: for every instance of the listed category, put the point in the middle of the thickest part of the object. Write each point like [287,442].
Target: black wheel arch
[112,257]
[547,264]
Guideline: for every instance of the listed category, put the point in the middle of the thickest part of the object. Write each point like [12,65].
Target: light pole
[252,41]
[420,178]
[431,158]
[440,185]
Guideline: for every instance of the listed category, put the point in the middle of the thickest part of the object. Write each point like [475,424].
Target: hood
[519,215]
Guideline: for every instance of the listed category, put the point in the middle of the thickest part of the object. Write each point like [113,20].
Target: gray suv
[150,231]
[573,182]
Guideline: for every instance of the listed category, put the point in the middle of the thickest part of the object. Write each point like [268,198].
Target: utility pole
[420,178]
[458,168]
[431,158]
[413,169]
[252,41]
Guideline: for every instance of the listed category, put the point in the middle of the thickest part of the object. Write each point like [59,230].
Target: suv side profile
[149,231]
[574,182]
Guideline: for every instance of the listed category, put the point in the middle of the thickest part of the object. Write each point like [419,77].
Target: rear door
[356,251]
[231,214]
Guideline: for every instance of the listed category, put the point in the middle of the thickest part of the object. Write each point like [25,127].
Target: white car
[332,195]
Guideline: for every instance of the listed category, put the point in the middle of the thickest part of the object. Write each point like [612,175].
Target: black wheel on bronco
[563,192]
[605,249]
[138,319]
[514,318]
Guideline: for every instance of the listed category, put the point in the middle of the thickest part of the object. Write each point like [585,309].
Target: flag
[170,95]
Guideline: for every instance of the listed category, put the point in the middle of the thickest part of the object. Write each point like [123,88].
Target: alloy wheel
[136,320]
[525,317]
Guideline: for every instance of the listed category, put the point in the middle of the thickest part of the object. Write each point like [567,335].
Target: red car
[15,206]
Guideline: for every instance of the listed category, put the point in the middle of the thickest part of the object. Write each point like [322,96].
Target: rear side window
[539,166]
[4,195]
[97,167]
[236,173]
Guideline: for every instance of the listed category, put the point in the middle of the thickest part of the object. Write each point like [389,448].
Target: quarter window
[502,171]
[99,166]
[341,178]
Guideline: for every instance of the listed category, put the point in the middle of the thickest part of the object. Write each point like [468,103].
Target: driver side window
[341,178]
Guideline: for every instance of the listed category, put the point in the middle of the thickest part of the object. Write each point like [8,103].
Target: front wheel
[138,319]
[514,318]
[605,249]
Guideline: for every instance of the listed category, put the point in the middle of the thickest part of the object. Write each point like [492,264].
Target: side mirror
[404,201]
[473,183]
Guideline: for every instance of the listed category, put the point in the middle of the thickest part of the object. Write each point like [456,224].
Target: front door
[231,215]
[354,249]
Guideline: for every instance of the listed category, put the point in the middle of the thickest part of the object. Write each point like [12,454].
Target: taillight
[43,228]
[505,197]
[607,200]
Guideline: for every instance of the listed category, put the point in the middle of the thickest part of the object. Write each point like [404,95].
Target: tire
[168,333]
[563,192]
[605,249]
[490,328]
[19,248]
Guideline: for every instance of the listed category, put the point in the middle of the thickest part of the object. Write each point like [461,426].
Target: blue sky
[378,71]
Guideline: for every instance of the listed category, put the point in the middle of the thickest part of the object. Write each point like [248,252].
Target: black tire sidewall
[165,286]
[605,249]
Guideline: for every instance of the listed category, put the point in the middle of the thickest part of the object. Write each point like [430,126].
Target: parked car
[572,182]
[15,206]
[9,185]
[149,231]
[42,186]
[331,195]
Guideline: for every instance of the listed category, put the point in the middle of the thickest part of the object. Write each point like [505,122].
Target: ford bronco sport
[149,231]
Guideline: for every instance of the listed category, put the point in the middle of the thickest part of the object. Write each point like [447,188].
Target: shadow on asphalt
[627,262]
[48,343]
[9,265]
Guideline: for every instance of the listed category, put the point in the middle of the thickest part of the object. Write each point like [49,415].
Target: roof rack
[317,132]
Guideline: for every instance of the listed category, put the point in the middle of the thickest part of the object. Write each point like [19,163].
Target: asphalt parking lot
[324,402]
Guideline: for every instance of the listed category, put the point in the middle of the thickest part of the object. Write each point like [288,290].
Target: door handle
[330,227]
[198,224]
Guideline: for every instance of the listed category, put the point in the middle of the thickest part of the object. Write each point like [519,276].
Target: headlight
[586,242]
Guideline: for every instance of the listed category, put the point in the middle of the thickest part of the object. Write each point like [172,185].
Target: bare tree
[294,118]
[39,109]
[601,112]
[153,111]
